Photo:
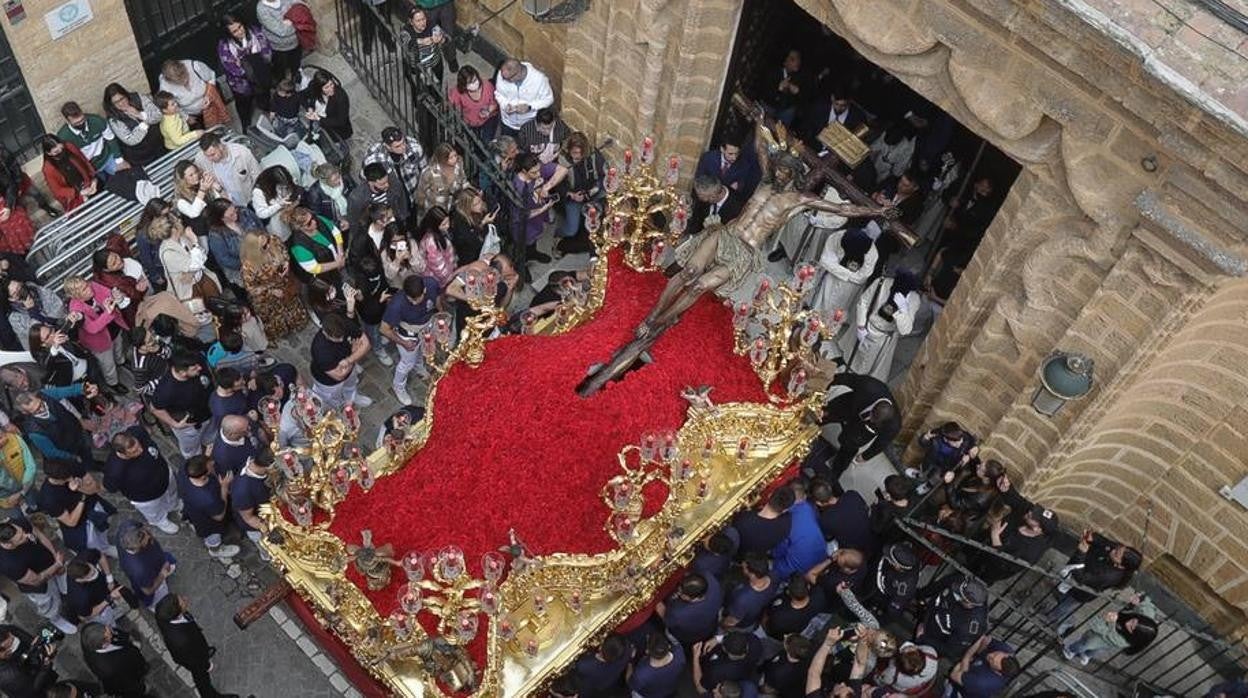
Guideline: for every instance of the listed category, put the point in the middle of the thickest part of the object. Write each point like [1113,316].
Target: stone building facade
[1124,237]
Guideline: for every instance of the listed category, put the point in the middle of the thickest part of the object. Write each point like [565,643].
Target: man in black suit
[733,165]
[24,679]
[869,421]
[723,204]
[115,660]
[823,111]
[187,644]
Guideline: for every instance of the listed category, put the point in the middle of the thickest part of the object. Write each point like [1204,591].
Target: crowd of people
[151,386]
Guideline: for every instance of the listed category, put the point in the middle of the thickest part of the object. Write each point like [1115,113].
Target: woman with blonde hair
[188,81]
[273,291]
[441,179]
[473,233]
[194,189]
[102,324]
[184,259]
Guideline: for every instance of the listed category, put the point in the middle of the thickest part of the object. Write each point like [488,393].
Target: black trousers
[854,435]
[203,683]
[286,63]
[444,16]
[370,25]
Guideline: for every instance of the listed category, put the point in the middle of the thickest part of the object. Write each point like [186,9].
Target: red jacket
[305,25]
[68,195]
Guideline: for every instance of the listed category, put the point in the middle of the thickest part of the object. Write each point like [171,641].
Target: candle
[366,478]
[591,219]
[839,315]
[797,382]
[647,150]
[506,630]
[526,322]
[680,220]
[413,566]
[764,288]
[292,469]
[758,352]
[539,602]
[303,515]
[617,228]
[656,252]
[673,170]
[704,488]
[353,418]
[530,647]
[574,602]
[684,469]
[708,448]
[628,160]
[489,601]
[398,621]
[612,183]
[743,448]
[342,481]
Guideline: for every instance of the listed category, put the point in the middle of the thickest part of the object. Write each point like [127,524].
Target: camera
[39,653]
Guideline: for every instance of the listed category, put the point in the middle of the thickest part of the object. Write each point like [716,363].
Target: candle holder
[778,333]
[647,214]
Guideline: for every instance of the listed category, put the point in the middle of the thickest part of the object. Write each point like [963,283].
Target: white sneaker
[362,400]
[912,473]
[224,552]
[1084,659]
[167,526]
[922,488]
[383,358]
[401,393]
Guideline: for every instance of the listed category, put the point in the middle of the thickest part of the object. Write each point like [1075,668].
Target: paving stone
[307,645]
[325,664]
[340,683]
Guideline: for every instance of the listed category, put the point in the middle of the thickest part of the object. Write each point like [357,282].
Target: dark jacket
[815,118]
[1098,570]
[865,391]
[122,671]
[360,198]
[187,644]
[743,172]
[316,200]
[337,119]
[19,681]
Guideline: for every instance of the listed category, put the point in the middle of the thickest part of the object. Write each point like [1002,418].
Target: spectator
[316,247]
[146,249]
[534,184]
[473,99]
[473,233]
[658,673]
[892,503]
[64,362]
[520,90]
[194,189]
[280,32]
[441,179]
[911,671]
[587,171]
[30,304]
[56,432]
[17,230]
[423,47]
[274,197]
[115,660]
[946,449]
[761,531]
[1026,534]
[957,614]
[543,135]
[90,134]
[174,127]
[22,674]
[102,325]
[336,351]
[287,112]
[146,564]
[36,567]
[815,674]
[403,160]
[1100,564]
[69,175]
[273,292]
[231,396]
[327,198]
[441,14]
[789,88]
[180,400]
[132,118]
[435,246]
[72,497]
[374,21]
[227,224]
[113,268]
[1129,630]
[691,613]
[245,57]
[232,164]
[984,670]
[329,106]
[248,491]
[137,470]
[744,605]
[204,495]
[185,262]
[188,82]
[785,673]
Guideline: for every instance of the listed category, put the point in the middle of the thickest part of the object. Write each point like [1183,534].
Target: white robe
[838,286]
[873,355]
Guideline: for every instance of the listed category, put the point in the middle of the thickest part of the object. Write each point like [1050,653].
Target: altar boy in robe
[885,312]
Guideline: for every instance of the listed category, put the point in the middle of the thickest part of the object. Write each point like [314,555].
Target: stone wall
[77,66]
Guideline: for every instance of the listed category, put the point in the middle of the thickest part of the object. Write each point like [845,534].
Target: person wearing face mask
[846,263]
[884,313]
[473,98]
[22,677]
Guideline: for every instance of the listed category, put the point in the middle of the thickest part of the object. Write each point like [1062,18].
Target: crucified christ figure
[723,257]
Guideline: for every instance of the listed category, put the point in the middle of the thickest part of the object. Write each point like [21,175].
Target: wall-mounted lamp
[1063,377]
[555,11]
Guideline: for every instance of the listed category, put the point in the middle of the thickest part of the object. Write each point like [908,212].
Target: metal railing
[1180,661]
[64,246]
[415,99]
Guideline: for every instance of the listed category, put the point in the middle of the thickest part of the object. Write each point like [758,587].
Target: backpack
[305,25]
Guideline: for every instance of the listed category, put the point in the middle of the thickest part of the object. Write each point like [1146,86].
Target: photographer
[26,663]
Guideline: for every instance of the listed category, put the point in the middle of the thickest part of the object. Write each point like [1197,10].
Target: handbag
[205,287]
[215,111]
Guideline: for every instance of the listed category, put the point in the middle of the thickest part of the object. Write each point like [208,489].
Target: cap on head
[391,134]
[971,592]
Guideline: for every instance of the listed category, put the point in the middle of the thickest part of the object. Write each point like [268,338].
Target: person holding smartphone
[535,183]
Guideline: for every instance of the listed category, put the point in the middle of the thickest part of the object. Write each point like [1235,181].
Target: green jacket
[95,140]
[430,4]
[1109,633]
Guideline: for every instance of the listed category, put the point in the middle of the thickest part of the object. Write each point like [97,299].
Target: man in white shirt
[521,90]
[234,166]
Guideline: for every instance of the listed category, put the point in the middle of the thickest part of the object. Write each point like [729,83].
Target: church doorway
[807,76]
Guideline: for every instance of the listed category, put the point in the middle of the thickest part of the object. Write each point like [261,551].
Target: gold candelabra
[644,213]
[779,333]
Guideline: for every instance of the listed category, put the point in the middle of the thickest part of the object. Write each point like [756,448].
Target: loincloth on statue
[731,252]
